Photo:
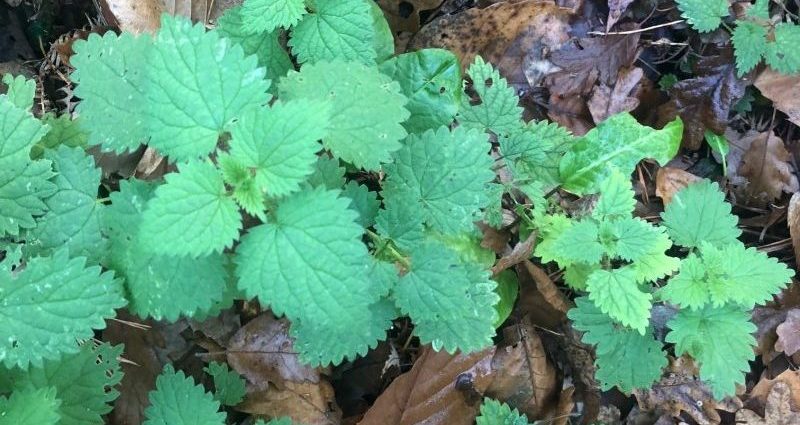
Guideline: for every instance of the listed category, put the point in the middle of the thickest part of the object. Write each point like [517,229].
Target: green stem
[386,245]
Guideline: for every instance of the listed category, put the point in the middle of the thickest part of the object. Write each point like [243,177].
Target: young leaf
[337,29]
[431,80]
[576,242]
[30,406]
[704,15]
[616,198]
[534,151]
[367,109]
[38,307]
[699,213]
[634,238]
[19,131]
[749,44]
[63,131]
[268,15]
[720,339]
[111,84]
[187,110]
[719,144]
[278,144]
[619,142]
[21,91]
[178,401]
[625,357]
[781,54]
[616,293]
[498,110]
[229,387]
[450,302]
[446,174]
[191,214]
[495,413]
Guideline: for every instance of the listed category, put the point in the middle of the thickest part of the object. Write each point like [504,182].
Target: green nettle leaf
[188,109]
[21,91]
[191,214]
[451,302]
[19,131]
[498,110]
[30,406]
[625,357]
[38,308]
[178,401]
[327,173]
[229,387]
[634,238]
[577,242]
[367,109]
[278,144]
[403,223]
[73,217]
[267,15]
[111,84]
[495,413]
[445,173]
[720,339]
[760,9]
[84,382]
[699,213]
[616,293]
[265,45]
[704,15]
[533,152]
[312,248]
[619,142]
[363,201]
[431,79]
[616,198]
[383,42]
[781,54]
[150,278]
[749,43]
[63,131]
[23,188]
[337,29]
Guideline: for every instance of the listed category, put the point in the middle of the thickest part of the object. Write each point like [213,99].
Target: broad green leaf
[229,387]
[690,287]
[781,54]
[431,80]
[507,289]
[39,306]
[245,191]
[616,293]
[21,91]
[703,15]
[193,100]
[402,222]
[749,43]
[327,173]
[363,201]
[63,131]
[278,144]
[720,145]
[367,109]
[111,81]
[450,302]
[635,238]
[261,16]
[625,358]
[578,242]
[23,188]
[720,339]
[30,406]
[699,213]
[19,131]
[337,29]
[191,214]
[495,413]
[446,174]
[576,275]
[616,198]
[533,152]
[309,264]
[84,382]
[383,41]
[498,109]
[619,142]
[177,400]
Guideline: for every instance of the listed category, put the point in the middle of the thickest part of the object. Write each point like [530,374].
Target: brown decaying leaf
[783,91]
[778,410]
[521,252]
[277,383]
[403,15]
[758,396]
[607,101]
[670,180]
[138,16]
[766,168]
[615,10]
[789,333]
[679,390]
[539,297]
[793,219]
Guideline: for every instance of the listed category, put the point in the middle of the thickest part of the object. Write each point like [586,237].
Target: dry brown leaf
[615,10]
[758,396]
[607,101]
[521,252]
[404,15]
[304,402]
[765,167]
[789,333]
[539,297]
[679,390]
[440,389]
[783,91]
[670,180]
[138,16]
[778,410]
[793,219]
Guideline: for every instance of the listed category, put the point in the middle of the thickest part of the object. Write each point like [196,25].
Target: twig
[638,30]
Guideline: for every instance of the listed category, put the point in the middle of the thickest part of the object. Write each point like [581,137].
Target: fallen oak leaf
[777,412]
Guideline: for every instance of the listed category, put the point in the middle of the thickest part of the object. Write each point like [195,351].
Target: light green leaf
[690,287]
[431,79]
[699,213]
[19,131]
[635,238]
[327,173]
[720,145]
[402,222]
[721,341]
[367,109]
[267,15]
[577,243]
[23,188]
[446,172]
[191,214]
[495,413]
[337,29]
[576,275]
[749,44]
[508,290]
[30,407]
[498,110]
[38,308]
[625,358]
[63,131]
[616,198]
[187,110]
[21,91]
[533,152]
[781,54]
[616,293]
[619,142]
[229,387]
[760,9]
[703,15]
[363,201]
[178,401]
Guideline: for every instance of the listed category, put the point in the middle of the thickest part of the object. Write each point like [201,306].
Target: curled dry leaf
[521,252]
[615,10]
[680,390]
[404,15]
[759,395]
[793,218]
[783,91]
[607,101]
[777,412]
[789,333]
[670,180]
[767,171]
[539,297]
